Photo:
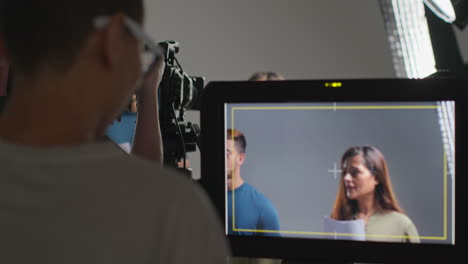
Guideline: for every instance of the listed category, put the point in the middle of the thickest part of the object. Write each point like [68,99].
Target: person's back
[65,195]
[90,205]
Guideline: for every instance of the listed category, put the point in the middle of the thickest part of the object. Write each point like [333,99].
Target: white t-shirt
[95,204]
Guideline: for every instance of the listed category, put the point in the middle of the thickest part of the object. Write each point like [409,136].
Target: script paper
[344,230]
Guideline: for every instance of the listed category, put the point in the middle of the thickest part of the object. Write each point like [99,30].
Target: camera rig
[178,92]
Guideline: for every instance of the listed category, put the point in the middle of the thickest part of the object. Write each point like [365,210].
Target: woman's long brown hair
[344,208]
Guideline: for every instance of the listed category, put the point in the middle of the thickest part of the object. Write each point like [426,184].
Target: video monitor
[299,165]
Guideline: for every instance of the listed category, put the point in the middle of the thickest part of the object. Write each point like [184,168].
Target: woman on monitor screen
[365,192]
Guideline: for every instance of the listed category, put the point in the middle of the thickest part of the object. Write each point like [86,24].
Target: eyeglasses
[150,51]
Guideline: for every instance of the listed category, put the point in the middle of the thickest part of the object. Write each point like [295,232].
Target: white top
[95,204]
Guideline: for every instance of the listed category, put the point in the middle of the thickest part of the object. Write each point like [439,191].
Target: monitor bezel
[217,94]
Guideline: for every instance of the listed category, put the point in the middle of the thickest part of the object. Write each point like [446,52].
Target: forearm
[147,142]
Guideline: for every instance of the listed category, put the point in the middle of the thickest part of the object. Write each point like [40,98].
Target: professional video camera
[178,92]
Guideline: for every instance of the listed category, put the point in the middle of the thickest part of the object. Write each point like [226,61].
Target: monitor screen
[366,171]
[363,167]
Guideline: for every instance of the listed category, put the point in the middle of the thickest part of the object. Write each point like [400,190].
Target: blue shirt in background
[123,131]
[253,211]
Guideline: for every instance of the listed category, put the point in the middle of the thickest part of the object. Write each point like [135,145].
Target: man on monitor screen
[249,211]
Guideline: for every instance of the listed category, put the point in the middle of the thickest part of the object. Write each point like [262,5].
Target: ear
[112,44]
[241,158]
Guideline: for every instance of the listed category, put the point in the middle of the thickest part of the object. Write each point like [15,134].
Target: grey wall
[229,40]
[289,161]
[302,39]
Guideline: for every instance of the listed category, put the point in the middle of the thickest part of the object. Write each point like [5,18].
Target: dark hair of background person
[344,208]
[266,76]
[239,139]
[52,31]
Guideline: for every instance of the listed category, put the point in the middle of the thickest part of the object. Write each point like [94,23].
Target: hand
[147,141]
[153,79]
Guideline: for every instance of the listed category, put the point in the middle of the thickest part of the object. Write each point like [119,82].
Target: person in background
[68,196]
[266,76]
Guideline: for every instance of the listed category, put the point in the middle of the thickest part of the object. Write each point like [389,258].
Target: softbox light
[451,11]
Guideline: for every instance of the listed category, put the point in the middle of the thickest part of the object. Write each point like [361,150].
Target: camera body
[178,92]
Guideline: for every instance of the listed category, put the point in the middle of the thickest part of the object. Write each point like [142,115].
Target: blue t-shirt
[123,131]
[253,211]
